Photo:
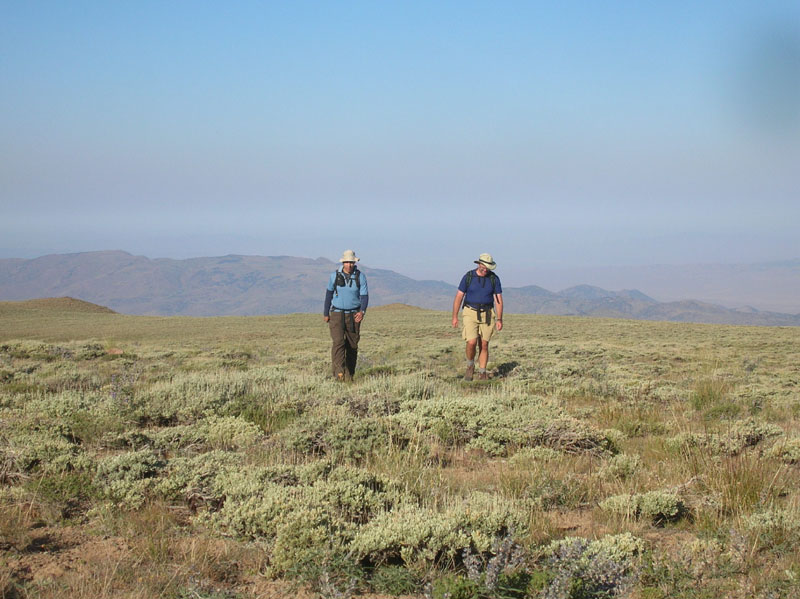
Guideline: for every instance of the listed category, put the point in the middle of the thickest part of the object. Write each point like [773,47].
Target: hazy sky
[420,134]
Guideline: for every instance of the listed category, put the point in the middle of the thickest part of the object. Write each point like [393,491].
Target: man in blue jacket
[346,302]
[483,312]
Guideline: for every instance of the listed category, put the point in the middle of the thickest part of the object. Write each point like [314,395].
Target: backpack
[492,278]
[340,280]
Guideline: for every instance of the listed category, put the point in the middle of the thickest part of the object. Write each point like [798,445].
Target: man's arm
[363,293]
[457,307]
[498,308]
[363,309]
[326,308]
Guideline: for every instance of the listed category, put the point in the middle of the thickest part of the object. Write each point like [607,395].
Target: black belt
[481,309]
[350,311]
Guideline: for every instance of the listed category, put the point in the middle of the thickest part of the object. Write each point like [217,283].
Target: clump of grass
[394,581]
[16,519]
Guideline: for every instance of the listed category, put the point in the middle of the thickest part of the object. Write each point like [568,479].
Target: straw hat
[487,261]
[349,256]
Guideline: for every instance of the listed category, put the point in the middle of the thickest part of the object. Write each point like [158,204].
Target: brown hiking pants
[345,333]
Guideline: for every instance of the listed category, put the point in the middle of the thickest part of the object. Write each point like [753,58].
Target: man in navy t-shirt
[482,294]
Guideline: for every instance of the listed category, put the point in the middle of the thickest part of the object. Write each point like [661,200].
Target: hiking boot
[469,373]
[483,376]
[340,376]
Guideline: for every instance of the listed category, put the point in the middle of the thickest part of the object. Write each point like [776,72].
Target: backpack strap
[492,278]
[341,282]
[469,275]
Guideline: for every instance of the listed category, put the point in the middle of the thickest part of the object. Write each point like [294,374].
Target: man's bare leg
[483,360]
[471,350]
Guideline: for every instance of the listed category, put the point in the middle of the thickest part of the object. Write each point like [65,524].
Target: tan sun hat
[487,261]
[349,256]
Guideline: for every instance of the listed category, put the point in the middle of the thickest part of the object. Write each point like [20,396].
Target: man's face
[348,267]
[482,270]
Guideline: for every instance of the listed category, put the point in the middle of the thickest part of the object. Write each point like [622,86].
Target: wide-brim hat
[487,261]
[349,256]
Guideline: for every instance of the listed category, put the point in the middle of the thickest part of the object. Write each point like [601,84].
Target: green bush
[774,529]
[620,466]
[581,569]
[787,450]
[47,451]
[422,538]
[129,478]
[496,427]
[658,506]
[194,479]
[336,435]
[739,436]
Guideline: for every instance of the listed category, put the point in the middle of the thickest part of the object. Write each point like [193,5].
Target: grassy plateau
[215,458]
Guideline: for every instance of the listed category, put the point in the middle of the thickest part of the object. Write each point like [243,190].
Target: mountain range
[254,285]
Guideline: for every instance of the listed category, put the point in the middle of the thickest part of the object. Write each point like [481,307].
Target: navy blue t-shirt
[480,288]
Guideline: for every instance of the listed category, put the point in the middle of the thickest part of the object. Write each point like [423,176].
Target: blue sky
[565,135]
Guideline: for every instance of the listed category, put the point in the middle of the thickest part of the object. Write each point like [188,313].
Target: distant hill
[253,285]
[59,304]
[771,286]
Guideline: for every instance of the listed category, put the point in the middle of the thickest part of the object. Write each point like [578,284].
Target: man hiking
[346,302]
[483,312]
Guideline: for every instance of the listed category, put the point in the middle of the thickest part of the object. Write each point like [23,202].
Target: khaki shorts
[472,328]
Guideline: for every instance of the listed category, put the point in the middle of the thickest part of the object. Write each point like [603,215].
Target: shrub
[528,455]
[67,490]
[305,538]
[293,508]
[572,436]
[547,491]
[503,574]
[620,466]
[44,451]
[788,451]
[421,537]
[740,436]
[230,432]
[128,478]
[774,528]
[336,435]
[194,479]
[658,506]
[582,569]
[494,427]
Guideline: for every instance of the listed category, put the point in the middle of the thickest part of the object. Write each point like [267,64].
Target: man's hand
[499,325]
[455,322]
[326,318]
[358,317]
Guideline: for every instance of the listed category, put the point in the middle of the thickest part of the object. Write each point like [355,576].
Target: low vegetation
[215,458]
